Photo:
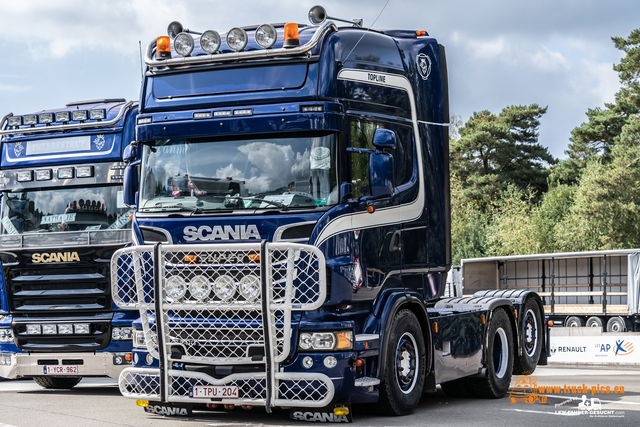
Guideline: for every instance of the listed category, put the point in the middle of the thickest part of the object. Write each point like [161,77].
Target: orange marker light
[128,357]
[359,363]
[254,257]
[371,209]
[130,217]
[483,319]
[435,327]
[190,258]
[421,33]
[291,37]
[516,311]
[163,44]
[550,323]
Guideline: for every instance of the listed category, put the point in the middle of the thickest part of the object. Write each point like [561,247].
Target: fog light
[81,328]
[6,335]
[143,403]
[43,175]
[65,173]
[149,359]
[84,171]
[65,329]
[118,360]
[330,362]
[307,362]
[34,330]
[342,410]
[25,176]
[49,329]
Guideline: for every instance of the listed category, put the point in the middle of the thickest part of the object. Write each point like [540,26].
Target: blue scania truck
[292,229]
[62,218]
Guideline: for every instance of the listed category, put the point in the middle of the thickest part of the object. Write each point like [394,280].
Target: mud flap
[321,415]
[169,409]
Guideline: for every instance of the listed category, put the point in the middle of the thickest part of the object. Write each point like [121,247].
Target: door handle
[396,242]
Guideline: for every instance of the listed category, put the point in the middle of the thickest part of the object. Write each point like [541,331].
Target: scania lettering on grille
[322,417]
[227,232]
[55,257]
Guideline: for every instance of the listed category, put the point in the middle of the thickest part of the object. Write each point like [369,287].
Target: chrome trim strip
[111,122]
[225,57]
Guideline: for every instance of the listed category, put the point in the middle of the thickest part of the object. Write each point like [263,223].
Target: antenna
[365,33]
[141,70]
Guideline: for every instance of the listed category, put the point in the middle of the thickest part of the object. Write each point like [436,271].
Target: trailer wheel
[594,322]
[499,359]
[57,383]
[405,365]
[616,324]
[573,322]
[531,338]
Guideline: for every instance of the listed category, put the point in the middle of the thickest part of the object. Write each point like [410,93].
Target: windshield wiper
[271,202]
[180,206]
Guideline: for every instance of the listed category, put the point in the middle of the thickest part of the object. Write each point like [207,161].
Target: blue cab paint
[62,217]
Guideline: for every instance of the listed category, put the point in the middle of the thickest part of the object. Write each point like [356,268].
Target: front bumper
[31,365]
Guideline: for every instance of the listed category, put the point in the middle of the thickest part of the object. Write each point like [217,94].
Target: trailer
[598,289]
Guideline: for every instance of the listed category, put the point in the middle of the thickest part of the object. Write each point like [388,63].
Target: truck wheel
[616,324]
[405,365]
[573,322]
[594,322]
[499,359]
[531,338]
[456,388]
[58,383]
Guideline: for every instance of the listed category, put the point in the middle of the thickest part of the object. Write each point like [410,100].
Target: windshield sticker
[321,202]
[120,200]
[59,145]
[285,199]
[8,226]
[93,227]
[56,219]
[123,220]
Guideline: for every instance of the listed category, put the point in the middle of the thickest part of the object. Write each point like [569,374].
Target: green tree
[468,225]
[495,151]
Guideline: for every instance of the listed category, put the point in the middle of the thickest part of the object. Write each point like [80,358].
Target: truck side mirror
[384,138]
[129,153]
[381,174]
[130,184]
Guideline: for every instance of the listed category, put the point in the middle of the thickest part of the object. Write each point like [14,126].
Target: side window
[361,137]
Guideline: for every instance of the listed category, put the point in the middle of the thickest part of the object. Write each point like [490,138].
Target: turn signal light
[371,209]
[483,319]
[190,258]
[291,37]
[344,340]
[143,403]
[254,257]
[128,357]
[342,410]
[550,323]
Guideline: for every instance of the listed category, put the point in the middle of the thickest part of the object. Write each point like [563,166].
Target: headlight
[118,334]
[224,287]
[250,287]
[210,41]
[81,328]
[326,341]
[237,39]
[199,287]
[176,288]
[65,329]
[6,335]
[266,35]
[183,44]
[138,339]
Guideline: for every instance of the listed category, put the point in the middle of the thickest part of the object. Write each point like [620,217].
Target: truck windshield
[261,173]
[63,209]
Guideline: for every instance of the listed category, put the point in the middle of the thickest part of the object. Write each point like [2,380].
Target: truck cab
[62,217]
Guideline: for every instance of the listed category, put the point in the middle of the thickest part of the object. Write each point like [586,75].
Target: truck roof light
[291,37]
[45,118]
[236,39]
[210,41]
[31,119]
[174,29]
[14,121]
[100,114]
[244,112]
[421,33]
[62,117]
[202,115]
[183,44]
[163,44]
[223,113]
[266,35]
[79,116]
[144,120]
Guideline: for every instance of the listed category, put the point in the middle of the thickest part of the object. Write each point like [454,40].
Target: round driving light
[250,288]
[210,41]
[176,288]
[183,44]
[135,358]
[149,359]
[266,36]
[199,287]
[224,287]
[330,362]
[236,39]
[306,341]
[307,362]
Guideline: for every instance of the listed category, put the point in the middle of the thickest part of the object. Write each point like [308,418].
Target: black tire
[531,339]
[573,322]
[57,383]
[456,388]
[616,324]
[400,393]
[594,322]
[499,359]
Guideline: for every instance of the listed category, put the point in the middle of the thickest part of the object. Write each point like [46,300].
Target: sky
[555,53]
